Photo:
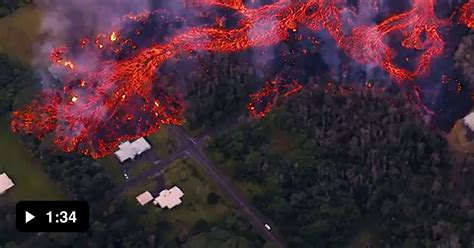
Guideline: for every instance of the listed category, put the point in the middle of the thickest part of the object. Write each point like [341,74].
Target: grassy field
[196,186]
[147,185]
[162,143]
[113,169]
[31,182]
[138,168]
[19,33]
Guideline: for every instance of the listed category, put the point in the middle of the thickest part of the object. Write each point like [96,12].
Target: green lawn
[138,168]
[196,186]
[113,169]
[146,185]
[163,144]
[251,189]
[19,32]
[31,182]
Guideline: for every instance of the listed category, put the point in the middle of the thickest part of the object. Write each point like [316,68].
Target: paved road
[194,149]
[156,170]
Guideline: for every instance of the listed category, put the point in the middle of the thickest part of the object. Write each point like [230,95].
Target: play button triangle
[28,217]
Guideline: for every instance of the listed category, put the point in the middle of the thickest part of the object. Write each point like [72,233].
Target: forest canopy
[332,165]
[464,57]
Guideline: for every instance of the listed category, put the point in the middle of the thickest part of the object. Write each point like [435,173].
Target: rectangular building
[129,150]
[144,198]
[5,183]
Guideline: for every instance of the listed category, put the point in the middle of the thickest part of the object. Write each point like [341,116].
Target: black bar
[64,216]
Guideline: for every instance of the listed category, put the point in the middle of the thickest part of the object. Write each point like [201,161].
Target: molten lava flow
[421,19]
[262,101]
[467,14]
[84,123]
[116,98]
[233,4]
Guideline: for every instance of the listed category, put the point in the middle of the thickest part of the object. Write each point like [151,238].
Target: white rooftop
[469,121]
[144,198]
[5,183]
[129,150]
[169,198]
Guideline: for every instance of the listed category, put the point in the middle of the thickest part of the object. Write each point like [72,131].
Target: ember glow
[467,14]
[113,36]
[262,101]
[98,106]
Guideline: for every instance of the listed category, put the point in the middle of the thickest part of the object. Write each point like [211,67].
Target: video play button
[50,216]
[28,217]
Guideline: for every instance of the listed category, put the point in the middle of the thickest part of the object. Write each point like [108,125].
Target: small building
[129,150]
[144,198]
[5,183]
[469,121]
[461,136]
[169,198]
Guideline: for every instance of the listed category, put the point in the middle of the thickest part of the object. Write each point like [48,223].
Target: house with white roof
[144,198]
[131,150]
[469,121]
[5,183]
[169,198]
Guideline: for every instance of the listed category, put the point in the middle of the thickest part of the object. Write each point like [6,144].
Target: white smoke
[66,20]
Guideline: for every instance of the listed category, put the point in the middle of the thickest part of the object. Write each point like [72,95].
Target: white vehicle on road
[268,227]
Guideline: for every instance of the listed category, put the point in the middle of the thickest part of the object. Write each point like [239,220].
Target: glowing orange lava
[113,36]
[467,14]
[117,100]
[262,101]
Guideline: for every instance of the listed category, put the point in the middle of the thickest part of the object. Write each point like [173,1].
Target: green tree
[213,198]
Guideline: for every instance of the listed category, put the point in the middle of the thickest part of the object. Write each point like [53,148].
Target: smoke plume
[63,21]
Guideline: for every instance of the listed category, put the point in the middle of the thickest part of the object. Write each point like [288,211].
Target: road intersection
[194,149]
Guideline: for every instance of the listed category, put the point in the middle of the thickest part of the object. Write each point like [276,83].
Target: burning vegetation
[92,108]
[467,14]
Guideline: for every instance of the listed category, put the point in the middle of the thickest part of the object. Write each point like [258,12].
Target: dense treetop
[464,57]
[334,163]
[8,6]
